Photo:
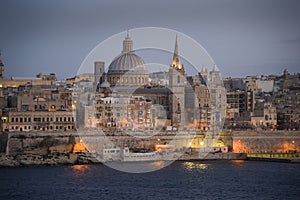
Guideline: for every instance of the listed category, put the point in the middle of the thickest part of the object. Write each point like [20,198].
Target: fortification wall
[238,141]
[20,142]
[266,141]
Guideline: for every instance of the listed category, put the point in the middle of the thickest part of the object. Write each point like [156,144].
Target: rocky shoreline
[86,158]
[56,159]
[50,160]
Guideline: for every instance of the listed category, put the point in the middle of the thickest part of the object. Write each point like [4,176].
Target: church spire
[176,64]
[176,52]
[127,44]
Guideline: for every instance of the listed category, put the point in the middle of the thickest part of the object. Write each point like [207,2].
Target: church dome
[126,62]
[105,84]
[127,69]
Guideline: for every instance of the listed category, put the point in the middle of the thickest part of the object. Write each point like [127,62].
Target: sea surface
[180,180]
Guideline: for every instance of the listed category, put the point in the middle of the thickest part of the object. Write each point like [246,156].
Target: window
[17,119]
[12,119]
[266,117]
[25,107]
[37,119]
[178,79]
[25,119]
[29,119]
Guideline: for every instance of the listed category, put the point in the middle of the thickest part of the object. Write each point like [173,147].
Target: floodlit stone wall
[266,141]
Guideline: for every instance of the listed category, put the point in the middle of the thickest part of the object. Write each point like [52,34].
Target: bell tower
[177,82]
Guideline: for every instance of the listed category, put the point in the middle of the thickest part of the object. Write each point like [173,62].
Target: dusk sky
[250,37]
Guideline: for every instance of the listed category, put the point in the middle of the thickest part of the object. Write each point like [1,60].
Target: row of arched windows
[130,80]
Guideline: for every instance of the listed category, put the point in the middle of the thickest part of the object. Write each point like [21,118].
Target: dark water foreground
[181,180]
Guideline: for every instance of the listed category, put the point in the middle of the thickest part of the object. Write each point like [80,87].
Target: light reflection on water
[158,164]
[194,166]
[238,161]
[80,170]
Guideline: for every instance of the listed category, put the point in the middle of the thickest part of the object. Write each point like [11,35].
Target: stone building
[39,108]
[171,99]
[44,99]
[204,101]
[235,104]
[38,121]
[264,115]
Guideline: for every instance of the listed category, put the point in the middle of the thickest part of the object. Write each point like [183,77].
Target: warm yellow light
[79,147]
[194,166]
[201,143]
[80,167]
[238,161]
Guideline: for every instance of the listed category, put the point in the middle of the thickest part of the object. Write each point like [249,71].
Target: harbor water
[180,180]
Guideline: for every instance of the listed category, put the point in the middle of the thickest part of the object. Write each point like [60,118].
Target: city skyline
[248,38]
[114,99]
